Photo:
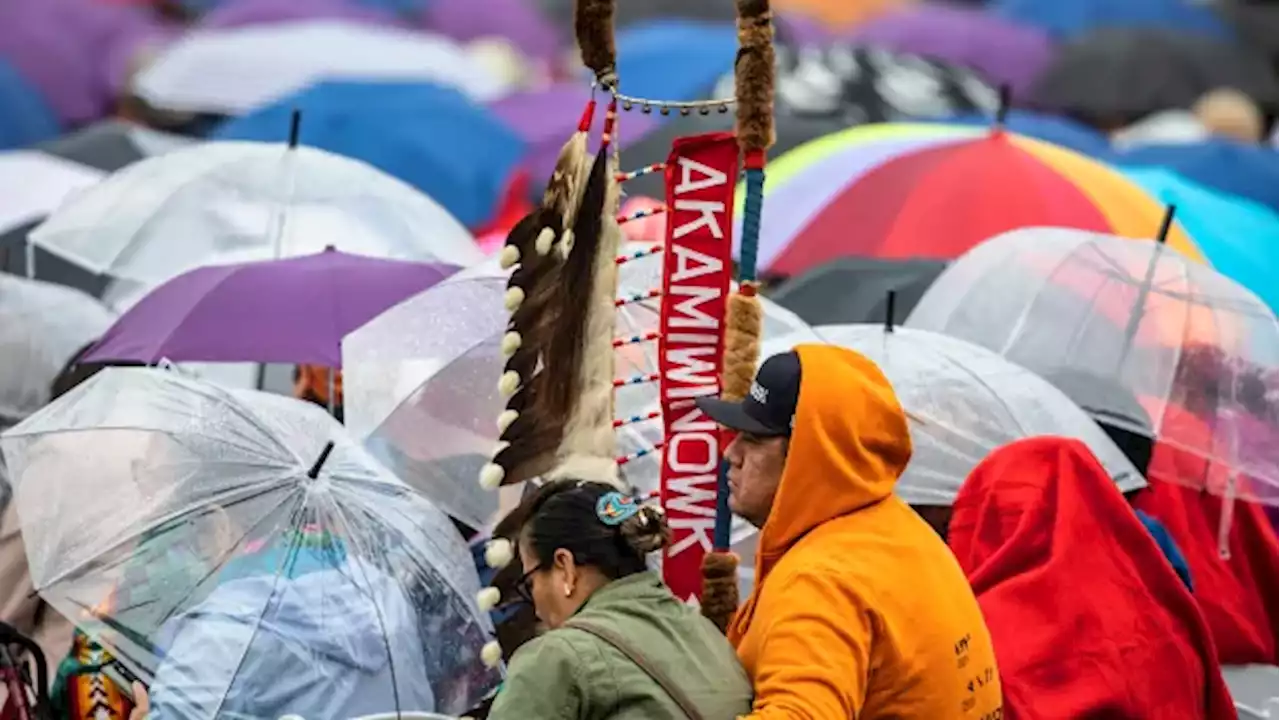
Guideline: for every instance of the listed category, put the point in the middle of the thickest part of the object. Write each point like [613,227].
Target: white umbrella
[229,71]
[42,326]
[33,184]
[224,202]
[963,401]
[420,383]
[243,553]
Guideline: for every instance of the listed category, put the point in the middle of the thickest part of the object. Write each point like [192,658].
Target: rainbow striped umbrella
[926,190]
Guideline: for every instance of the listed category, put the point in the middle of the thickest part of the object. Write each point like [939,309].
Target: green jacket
[570,674]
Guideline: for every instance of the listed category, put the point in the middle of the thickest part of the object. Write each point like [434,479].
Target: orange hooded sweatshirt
[859,609]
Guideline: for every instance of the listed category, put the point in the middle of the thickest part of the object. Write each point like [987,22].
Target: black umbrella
[823,90]
[560,12]
[1112,77]
[855,290]
[109,146]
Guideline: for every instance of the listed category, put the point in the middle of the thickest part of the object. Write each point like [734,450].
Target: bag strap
[665,681]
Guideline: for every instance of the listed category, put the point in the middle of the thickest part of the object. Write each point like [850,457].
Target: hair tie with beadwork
[613,508]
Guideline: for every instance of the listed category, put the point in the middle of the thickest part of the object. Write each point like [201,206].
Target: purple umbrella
[546,118]
[238,13]
[294,311]
[517,21]
[59,46]
[1005,52]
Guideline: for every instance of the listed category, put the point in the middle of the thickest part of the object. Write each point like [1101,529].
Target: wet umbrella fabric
[963,401]
[1190,345]
[855,290]
[1113,77]
[244,533]
[221,202]
[432,137]
[1250,171]
[295,310]
[1070,19]
[27,116]
[822,90]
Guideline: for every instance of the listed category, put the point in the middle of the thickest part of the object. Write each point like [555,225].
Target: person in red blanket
[1088,618]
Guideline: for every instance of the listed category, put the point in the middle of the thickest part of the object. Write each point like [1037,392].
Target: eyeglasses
[524,586]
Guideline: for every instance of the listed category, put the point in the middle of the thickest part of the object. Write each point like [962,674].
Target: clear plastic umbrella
[224,202]
[420,383]
[1141,337]
[42,326]
[242,554]
[963,401]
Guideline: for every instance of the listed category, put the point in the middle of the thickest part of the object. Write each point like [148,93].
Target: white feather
[543,243]
[491,476]
[491,654]
[505,419]
[499,553]
[509,256]
[513,299]
[510,343]
[488,599]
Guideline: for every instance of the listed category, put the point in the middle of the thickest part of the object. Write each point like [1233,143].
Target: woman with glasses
[618,644]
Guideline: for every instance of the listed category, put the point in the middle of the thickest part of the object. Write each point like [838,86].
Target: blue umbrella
[429,136]
[26,117]
[1066,18]
[674,59]
[1050,128]
[1240,238]
[1247,170]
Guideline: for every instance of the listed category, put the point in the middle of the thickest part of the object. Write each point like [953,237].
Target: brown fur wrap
[593,25]
[719,588]
[753,75]
[744,319]
[551,322]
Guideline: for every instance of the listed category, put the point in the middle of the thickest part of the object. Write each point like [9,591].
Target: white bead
[491,654]
[513,299]
[509,383]
[509,256]
[488,598]
[566,242]
[505,419]
[499,553]
[491,476]
[510,343]
[543,243]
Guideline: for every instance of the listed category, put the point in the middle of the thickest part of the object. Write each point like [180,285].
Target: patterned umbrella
[935,191]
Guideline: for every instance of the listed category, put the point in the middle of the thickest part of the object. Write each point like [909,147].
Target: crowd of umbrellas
[1027,214]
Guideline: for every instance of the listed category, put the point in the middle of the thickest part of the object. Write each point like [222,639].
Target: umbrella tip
[314,472]
[889,301]
[295,127]
[1002,110]
[1167,223]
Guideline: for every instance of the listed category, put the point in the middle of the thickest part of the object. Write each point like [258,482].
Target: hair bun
[647,530]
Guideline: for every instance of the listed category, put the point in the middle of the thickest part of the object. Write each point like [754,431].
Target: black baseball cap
[769,409]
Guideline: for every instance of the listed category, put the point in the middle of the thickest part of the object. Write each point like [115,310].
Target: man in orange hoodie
[859,610]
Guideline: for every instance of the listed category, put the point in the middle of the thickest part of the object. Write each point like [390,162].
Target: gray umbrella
[109,145]
[1115,76]
[855,290]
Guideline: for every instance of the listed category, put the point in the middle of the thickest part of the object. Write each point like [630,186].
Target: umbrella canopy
[855,290]
[900,191]
[963,401]
[823,90]
[421,383]
[1112,77]
[27,116]
[33,184]
[1067,19]
[244,539]
[113,144]
[1241,239]
[69,50]
[240,13]
[429,136]
[1004,52]
[233,70]
[839,13]
[517,21]
[285,311]
[674,59]
[222,202]
[42,326]
[1170,333]
[1056,129]
[1250,171]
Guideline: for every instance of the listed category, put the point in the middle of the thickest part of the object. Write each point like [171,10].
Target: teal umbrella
[1240,238]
